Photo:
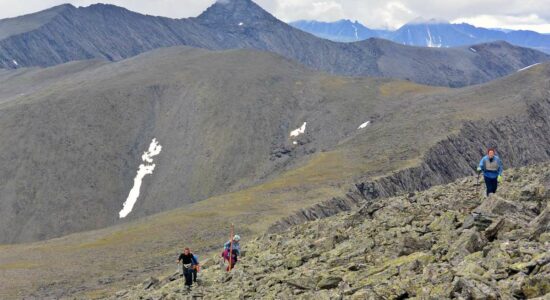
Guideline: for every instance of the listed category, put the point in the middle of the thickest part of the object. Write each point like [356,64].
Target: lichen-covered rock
[329,282]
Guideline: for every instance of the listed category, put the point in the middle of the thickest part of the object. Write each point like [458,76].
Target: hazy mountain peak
[13,26]
[106,8]
[239,10]
[431,21]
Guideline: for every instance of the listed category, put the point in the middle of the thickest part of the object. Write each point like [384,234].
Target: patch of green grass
[23,264]
[400,88]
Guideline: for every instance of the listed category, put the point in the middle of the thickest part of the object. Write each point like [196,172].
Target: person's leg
[487,185]
[491,185]
[233,262]
[188,277]
[195,275]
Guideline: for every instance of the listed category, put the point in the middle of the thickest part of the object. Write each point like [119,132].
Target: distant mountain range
[430,33]
[66,33]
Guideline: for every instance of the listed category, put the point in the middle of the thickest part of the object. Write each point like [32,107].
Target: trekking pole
[477,184]
[231,248]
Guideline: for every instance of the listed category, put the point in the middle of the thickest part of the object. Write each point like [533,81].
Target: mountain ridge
[427,33]
[113,33]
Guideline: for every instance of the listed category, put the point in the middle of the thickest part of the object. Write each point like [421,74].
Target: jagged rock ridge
[520,140]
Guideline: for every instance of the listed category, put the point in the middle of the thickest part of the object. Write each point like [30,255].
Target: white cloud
[529,22]
[322,10]
[514,14]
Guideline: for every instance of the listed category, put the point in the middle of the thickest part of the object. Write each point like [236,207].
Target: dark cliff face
[519,140]
[113,33]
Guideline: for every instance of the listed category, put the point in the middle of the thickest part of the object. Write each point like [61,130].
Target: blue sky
[513,14]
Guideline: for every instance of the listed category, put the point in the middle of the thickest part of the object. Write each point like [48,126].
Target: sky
[376,14]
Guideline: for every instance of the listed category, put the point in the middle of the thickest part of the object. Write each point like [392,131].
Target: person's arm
[481,165]
[179,258]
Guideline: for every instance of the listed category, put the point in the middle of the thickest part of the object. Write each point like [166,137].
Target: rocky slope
[68,33]
[75,134]
[448,242]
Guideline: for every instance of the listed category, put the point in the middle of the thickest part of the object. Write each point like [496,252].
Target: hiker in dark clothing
[491,166]
[187,259]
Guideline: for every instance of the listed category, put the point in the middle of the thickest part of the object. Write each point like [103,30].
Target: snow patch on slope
[431,41]
[356,33]
[144,169]
[299,131]
[364,125]
[530,66]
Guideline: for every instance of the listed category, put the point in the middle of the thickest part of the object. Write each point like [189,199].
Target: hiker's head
[491,152]
[236,238]
[186,251]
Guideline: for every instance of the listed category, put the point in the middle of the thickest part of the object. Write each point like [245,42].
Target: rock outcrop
[442,243]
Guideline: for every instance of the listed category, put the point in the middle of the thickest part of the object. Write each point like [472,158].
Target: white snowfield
[15,62]
[473,50]
[364,125]
[299,131]
[241,24]
[523,69]
[154,150]
[144,169]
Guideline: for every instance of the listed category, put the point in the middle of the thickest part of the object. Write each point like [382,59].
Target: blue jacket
[491,174]
[195,260]
[236,247]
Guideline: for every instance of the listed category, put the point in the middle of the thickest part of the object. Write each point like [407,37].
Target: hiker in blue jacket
[491,166]
[196,267]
